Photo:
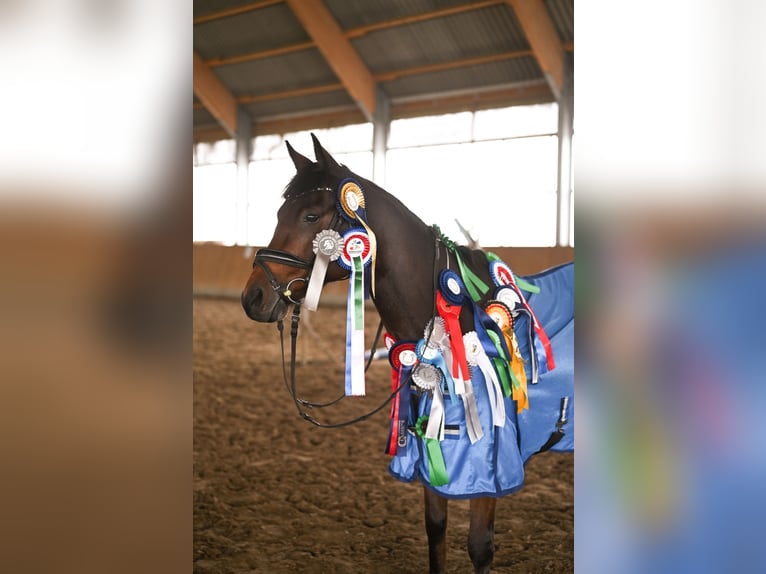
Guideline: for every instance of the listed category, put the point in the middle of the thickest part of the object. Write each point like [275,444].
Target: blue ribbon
[438,362]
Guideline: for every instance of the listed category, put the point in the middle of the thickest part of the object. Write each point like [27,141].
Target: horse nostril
[251,300]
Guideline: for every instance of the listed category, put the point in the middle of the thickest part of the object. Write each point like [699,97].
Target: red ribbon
[538,328]
[451,315]
[395,378]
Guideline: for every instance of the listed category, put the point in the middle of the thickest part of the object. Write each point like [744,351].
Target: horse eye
[311,218]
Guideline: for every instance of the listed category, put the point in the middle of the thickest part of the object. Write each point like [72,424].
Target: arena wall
[222,271]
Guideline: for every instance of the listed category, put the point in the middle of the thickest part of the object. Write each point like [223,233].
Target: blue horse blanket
[494,465]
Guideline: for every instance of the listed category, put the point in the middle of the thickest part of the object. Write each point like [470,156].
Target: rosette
[478,358]
[452,287]
[356,245]
[500,314]
[350,199]
[500,272]
[403,354]
[427,377]
[508,296]
[327,246]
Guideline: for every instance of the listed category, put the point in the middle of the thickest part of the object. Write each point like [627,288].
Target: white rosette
[429,378]
[476,357]
[510,298]
[328,245]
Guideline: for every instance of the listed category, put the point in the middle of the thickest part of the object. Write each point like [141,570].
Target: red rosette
[501,274]
[356,242]
[402,353]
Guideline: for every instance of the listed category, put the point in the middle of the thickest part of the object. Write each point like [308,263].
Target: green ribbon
[437,469]
[476,287]
[358,294]
[501,364]
[528,287]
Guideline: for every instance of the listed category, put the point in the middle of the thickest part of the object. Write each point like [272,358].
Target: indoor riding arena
[463,111]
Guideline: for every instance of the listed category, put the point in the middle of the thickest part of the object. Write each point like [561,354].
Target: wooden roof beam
[218,100]
[228,12]
[543,40]
[337,51]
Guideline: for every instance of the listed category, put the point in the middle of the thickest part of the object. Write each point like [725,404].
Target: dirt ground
[273,493]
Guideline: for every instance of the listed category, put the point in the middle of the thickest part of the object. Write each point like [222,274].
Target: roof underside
[301,64]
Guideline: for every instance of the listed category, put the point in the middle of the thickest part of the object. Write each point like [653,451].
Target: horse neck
[404,288]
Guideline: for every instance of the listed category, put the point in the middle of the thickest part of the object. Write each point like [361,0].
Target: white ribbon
[478,358]
[327,245]
[435,428]
[314,289]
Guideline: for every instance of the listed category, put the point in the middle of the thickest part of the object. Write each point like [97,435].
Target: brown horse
[408,252]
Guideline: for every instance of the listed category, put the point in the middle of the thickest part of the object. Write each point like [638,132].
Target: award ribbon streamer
[502,316]
[355,255]
[437,470]
[502,276]
[478,358]
[449,299]
[351,205]
[327,246]
[509,297]
[403,358]
[493,343]
[428,378]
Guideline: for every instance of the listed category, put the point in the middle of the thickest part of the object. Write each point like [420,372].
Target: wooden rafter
[450,65]
[337,51]
[543,40]
[226,13]
[441,13]
[290,93]
[218,100]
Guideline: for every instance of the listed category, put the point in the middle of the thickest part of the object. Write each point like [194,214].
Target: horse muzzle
[267,305]
[263,305]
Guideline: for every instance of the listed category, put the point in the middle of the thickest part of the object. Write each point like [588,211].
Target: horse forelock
[311,179]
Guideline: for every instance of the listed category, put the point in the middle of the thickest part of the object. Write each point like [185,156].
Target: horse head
[281,270]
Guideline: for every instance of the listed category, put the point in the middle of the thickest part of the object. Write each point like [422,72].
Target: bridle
[268,255]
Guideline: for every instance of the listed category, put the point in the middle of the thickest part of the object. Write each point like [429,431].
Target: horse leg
[481,534]
[436,528]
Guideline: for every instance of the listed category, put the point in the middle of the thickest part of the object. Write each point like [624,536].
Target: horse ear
[299,161]
[325,160]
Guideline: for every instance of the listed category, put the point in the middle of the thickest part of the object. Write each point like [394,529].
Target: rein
[290,386]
